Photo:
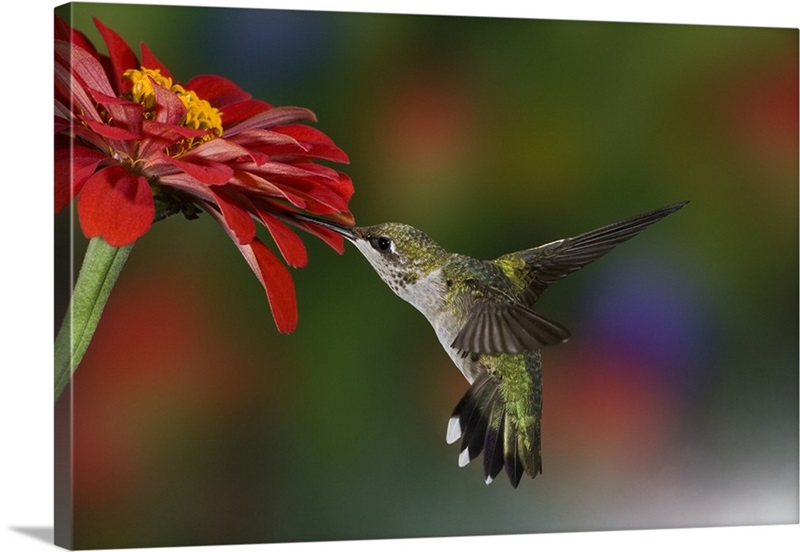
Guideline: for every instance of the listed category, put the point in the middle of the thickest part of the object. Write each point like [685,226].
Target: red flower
[133,145]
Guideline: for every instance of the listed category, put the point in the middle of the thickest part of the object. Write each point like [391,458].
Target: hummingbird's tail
[485,424]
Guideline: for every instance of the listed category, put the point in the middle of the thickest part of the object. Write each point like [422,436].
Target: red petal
[336,241]
[279,286]
[329,153]
[260,138]
[64,32]
[302,182]
[122,57]
[218,91]
[86,135]
[61,124]
[207,162]
[317,144]
[75,71]
[152,62]
[308,196]
[157,137]
[258,157]
[235,214]
[336,181]
[108,131]
[289,243]
[273,117]
[255,185]
[305,133]
[345,186]
[275,277]
[124,113]
[116,205]
[73,166]
[85,66]
[345,218]
[169,107]
[210,173]
[235,113]
[218,149]
[185,183]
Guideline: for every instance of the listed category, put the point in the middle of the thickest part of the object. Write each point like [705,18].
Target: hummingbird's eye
[381,243]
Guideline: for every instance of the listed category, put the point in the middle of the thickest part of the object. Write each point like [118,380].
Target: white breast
[427,296]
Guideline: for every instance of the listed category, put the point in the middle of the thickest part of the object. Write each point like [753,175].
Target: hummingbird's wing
[549,263]
[503,322]
[497,325]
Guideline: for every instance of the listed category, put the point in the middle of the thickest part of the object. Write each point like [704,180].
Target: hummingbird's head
[399,253]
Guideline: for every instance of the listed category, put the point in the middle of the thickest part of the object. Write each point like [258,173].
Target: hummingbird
[481,311]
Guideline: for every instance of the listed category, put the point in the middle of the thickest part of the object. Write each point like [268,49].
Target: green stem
[101,267]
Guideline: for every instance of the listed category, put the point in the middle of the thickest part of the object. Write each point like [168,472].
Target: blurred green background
[675,404]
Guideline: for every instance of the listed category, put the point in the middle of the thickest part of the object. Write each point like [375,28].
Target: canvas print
[332,276]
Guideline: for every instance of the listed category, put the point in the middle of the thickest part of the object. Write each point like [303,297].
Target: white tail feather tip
[463,458]
[453,430]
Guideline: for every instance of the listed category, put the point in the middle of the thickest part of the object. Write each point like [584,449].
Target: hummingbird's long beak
[346,231]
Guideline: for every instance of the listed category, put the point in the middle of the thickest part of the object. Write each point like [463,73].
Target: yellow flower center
[142,87]
[200,114]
